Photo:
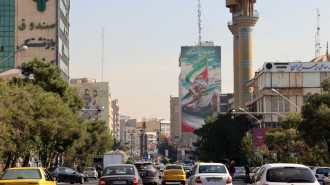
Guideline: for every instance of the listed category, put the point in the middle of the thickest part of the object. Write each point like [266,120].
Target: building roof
[323,58]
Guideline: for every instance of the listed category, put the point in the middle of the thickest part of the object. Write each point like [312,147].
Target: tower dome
[323,58]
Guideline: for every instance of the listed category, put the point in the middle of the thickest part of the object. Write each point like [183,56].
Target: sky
[142,41]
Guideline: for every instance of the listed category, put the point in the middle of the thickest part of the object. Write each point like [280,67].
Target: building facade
[175,120]
[292,80]
[41,25]
[165,128]
[97,99]
[115,120]
[226,102]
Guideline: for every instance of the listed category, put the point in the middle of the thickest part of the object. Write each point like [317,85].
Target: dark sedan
[65,174]
[148,172]
[120,174]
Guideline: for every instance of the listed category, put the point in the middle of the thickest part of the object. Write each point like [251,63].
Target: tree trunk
[8,162]
[13,164]
[26,161]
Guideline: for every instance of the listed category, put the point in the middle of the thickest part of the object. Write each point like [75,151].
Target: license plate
[213,180]
[173,183]
[118,182]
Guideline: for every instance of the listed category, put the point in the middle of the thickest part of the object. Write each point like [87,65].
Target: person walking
[231,169]
[247,171]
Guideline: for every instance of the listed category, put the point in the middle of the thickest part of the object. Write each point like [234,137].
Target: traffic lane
[239,182]
[92,181]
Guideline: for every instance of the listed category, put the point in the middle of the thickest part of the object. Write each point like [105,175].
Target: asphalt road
[95,182]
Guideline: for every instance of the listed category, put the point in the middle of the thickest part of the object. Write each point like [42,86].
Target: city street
[95,182]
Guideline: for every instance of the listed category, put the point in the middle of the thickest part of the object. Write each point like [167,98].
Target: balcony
[255,13]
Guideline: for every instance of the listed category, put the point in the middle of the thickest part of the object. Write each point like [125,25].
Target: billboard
[95,96]
[259,136]
[200,85]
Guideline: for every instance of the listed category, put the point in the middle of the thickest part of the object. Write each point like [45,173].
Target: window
[174,167]
[47,176]
[261,82]
[21,174]
[212,169]
[279,104]
[261,172]
[290,175]
[268,79]
[280,80]
[311,79]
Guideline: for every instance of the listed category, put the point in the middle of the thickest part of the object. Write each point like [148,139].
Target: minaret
[244,17]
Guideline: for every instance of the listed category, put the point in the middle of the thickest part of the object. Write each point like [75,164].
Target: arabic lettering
[309,67]
[22,27]
[199,52]
[38,26]
[47,43]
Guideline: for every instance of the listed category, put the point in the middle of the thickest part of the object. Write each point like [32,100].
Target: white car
[320,172]
[91,172]
[210,174]
[284,173]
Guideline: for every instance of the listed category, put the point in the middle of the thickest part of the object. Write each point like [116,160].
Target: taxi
[174,173]
[27,176]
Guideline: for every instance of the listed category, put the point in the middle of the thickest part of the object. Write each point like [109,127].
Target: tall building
[41,25]
[97,99]
[199,88]
[115,120]
[165,128]
[244,17]
[122,123]
[226,102]
[175,120]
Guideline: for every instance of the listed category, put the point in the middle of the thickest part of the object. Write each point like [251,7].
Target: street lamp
[275,91]
[20,49]
[250,115]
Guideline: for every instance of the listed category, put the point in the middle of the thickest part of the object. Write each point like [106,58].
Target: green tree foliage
[162,146]
[247,151]
[220,137]
[96,139]
[280,144]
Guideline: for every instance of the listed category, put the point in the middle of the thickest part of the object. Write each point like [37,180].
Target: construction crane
[317,35]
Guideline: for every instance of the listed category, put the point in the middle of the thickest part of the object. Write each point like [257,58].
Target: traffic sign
[145,156]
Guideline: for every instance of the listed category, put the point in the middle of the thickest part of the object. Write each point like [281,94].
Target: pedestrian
[231,169]
[247,171]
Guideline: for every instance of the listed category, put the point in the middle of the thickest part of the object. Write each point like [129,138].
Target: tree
[220,137]
[247,150]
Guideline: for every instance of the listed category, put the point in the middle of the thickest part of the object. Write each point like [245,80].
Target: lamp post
[131,133]
[275,91]
[20,49]
[251,116]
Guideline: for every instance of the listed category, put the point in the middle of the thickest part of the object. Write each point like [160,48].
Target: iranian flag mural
[200,85]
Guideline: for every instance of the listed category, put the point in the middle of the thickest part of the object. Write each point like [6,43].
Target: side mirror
[54,179]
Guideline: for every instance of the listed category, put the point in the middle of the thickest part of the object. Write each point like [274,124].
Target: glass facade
[7,33]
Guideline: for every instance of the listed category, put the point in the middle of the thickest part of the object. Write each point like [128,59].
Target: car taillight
[135,181]
[316,176]
[166,173]
[102,182]
[85,173]
[229,180]
[198,180]
[94,173]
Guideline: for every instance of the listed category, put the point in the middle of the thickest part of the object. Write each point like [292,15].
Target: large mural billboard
[96,97]
[200,85]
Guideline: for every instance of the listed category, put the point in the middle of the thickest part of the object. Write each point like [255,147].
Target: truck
[111,159]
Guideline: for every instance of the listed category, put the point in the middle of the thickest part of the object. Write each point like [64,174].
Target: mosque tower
[244,17]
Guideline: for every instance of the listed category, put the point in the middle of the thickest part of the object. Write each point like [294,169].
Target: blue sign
[145,156]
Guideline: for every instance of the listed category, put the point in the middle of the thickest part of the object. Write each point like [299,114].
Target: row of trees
[39,117]
[303,138]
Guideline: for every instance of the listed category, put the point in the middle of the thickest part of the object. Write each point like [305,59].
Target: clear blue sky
[143,40]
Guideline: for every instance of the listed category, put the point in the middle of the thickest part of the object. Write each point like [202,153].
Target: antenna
[102,50]
[317,36]
[199,23]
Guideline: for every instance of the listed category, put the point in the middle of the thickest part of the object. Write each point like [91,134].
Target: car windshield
[239,169]
[21,174]
[173,167]
[212,169]
[187,168]
[89,169]
[141,166]
[324,171]
[290,175]
[160,168]
[119,170]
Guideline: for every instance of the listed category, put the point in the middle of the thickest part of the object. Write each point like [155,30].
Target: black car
[120,174]
[148,172]
[65,174]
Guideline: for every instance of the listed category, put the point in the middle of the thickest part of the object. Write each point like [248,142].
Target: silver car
[91,172]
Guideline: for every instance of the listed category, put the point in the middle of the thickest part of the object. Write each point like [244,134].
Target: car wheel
[71,182]
[163,183]
[82,180]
